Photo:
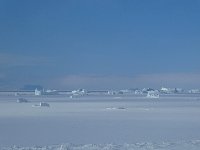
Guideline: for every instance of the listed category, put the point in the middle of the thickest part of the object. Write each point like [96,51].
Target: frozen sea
[100,122]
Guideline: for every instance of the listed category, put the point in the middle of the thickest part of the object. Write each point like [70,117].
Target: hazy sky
[99,44]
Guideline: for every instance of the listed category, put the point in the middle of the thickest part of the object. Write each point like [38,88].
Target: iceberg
[153,94]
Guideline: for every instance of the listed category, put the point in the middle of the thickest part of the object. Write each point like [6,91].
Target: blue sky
[99,43]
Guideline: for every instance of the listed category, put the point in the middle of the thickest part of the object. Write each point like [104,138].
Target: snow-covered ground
[181,145]
[100,122]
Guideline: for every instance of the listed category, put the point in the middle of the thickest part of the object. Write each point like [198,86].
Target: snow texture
[181,145]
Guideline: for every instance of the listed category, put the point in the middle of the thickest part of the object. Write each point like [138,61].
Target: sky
[99,44]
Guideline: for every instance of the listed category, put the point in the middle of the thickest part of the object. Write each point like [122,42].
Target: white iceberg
[153,94]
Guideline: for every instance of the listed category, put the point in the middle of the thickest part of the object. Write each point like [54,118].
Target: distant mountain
[31,87]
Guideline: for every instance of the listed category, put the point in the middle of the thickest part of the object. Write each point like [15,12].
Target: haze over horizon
[99,44]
